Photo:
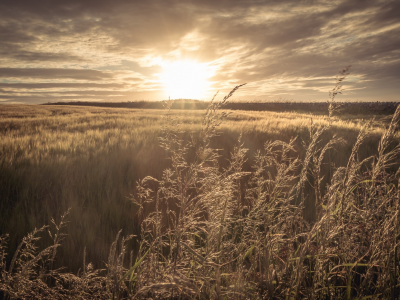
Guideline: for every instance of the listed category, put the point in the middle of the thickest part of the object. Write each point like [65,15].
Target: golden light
[185,79]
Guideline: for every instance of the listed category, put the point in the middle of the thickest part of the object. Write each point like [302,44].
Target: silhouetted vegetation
[353,108]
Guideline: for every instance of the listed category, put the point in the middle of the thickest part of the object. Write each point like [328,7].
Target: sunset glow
[185,79]
[151,50]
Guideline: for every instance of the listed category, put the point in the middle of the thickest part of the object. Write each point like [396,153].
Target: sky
[130,50]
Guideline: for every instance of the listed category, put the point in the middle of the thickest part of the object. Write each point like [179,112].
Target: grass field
[90,159]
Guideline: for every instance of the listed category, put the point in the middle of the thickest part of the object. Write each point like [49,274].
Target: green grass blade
[132,270]
[248,253]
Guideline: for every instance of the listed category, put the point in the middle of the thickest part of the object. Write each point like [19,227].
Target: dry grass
[281,222]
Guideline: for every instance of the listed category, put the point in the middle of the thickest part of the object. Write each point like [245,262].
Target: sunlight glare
[185,79]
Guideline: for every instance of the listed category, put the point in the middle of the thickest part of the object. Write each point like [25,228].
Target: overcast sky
[115,50]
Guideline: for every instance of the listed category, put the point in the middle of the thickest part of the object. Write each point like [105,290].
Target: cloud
[55,73]
[60,85]
[276,46]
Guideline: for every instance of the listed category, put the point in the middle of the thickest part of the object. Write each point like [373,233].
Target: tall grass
[230,225]
[88,159]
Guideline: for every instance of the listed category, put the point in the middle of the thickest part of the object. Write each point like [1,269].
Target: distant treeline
[312,107]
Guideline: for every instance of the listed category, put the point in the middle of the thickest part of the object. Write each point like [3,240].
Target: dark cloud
[55,73]
[388,13]
[375,47]
[59,85]
[289,44]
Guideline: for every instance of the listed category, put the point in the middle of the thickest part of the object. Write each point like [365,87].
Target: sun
[185,79]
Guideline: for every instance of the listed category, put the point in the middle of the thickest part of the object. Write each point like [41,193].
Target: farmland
[90,159]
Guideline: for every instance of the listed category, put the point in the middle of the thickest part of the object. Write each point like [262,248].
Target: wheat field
[221,204]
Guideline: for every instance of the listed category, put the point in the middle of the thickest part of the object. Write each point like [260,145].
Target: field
[210,218]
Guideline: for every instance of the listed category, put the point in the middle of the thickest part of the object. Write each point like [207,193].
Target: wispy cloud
[113,50]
